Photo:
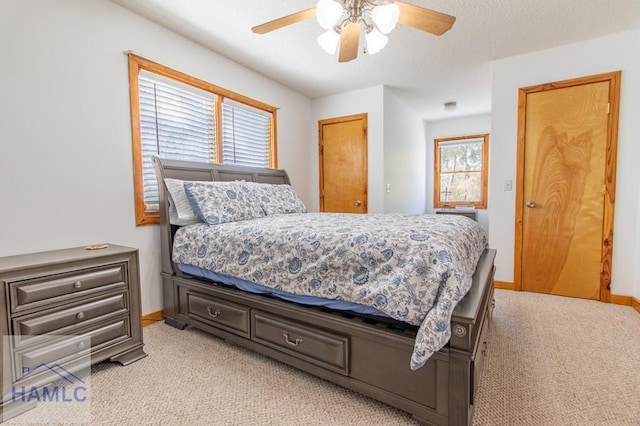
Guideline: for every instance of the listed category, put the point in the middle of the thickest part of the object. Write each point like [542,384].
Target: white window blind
[176,121]
[246,133]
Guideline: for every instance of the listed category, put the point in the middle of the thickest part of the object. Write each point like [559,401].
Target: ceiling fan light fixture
[349,21]
[329,40]
[376,41]
[328,12]
[385,16]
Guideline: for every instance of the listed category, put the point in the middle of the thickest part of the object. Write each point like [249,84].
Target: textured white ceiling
[425,70]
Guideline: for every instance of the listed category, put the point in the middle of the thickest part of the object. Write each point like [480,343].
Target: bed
[386,348]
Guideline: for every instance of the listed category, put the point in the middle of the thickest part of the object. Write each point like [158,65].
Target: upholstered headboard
[188,170]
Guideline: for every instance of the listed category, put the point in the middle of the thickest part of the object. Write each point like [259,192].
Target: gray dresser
[91,294]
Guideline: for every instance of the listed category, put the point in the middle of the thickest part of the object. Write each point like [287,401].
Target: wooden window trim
[483,173]
[136,64]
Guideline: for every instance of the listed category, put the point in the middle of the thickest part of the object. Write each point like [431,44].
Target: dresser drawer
[42,290]
[43,323]
[59,351]
[220,313]
[317,346]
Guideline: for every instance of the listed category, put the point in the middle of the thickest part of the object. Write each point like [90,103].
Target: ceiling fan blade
[424,19]
[284,21]
[349,40]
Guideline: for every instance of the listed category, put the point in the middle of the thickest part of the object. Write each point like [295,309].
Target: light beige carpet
[552,361]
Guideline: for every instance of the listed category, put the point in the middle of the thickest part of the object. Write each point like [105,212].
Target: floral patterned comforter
[414,268]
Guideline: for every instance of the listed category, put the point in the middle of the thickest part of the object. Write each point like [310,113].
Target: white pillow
[180,210]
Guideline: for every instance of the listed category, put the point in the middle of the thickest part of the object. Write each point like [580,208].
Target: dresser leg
[127,358]
[176,324]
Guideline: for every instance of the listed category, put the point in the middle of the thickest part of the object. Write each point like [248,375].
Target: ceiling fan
[345,20]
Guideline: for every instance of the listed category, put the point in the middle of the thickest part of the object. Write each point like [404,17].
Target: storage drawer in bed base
[219,313]
[329,350]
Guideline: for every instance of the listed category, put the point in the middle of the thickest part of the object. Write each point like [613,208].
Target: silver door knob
[531,204]
[358,203]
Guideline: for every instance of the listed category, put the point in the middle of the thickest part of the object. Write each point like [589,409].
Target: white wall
[611,53]
[404,157]
[395,140]
[368,101]
[453,127]
[65,150]
[636,291]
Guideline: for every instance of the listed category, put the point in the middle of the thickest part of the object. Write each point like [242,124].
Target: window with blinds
[180,117]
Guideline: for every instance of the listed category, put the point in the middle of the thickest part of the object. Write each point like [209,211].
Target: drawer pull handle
[80,315]
[289,342]
[77,284]
[215,313]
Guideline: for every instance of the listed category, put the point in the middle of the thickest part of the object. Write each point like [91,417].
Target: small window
[460,173]
[177,116]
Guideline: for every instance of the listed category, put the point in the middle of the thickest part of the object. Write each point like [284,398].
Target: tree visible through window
[177,116]
[460,174]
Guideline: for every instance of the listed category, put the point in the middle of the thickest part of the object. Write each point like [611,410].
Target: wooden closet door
[343,164]
[566,188]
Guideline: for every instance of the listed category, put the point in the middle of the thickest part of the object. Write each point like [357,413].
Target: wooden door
[566,186]
[343,164]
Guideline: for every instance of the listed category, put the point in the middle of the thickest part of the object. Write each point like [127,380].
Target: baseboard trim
[615,299]
[626,301]
[503,285]
[151,318]
[621,300]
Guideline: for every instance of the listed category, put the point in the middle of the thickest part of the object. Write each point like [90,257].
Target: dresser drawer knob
[214,314]
[82,345]
[77,284]
[80,315]
[289,342]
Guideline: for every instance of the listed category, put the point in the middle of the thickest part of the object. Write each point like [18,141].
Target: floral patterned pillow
[221,202]
[277,198]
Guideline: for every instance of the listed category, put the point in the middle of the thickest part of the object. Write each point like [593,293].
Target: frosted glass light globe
[329,41]
[385,16]
[376,41]
[328,12]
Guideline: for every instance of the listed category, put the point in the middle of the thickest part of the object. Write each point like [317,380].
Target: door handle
[358,203]
[531,204]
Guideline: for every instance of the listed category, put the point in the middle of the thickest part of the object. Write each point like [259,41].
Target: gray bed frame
[365,354]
